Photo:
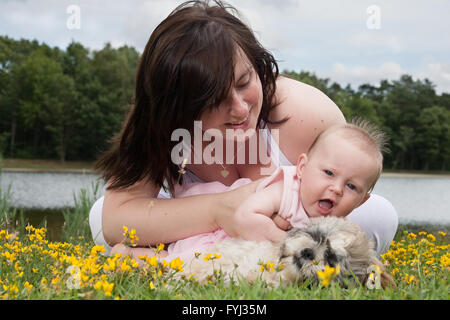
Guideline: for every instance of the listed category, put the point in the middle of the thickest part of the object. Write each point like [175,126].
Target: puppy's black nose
[307,254]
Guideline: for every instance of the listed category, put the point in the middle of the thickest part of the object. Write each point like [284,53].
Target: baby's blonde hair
[366,135]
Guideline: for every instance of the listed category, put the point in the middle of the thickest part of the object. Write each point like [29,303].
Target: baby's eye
[328,172]
[351,186]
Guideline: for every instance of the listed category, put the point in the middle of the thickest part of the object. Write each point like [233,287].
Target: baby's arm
[257,210]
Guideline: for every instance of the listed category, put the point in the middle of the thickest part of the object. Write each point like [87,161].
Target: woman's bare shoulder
[310,112]
[301,101]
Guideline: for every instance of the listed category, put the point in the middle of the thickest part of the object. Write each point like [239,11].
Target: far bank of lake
[418,198]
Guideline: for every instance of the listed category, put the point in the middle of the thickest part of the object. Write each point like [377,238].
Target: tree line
[67,104]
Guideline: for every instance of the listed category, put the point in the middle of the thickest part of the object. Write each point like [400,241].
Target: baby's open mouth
[326,204]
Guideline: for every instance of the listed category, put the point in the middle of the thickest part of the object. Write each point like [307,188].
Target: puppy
[305,251]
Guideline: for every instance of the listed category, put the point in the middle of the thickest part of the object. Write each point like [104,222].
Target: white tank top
[272,148]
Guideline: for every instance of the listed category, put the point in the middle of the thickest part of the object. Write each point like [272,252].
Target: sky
[348,41]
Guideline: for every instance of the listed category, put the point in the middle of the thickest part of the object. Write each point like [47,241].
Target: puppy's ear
[387,280]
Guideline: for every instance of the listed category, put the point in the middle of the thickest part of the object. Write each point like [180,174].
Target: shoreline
[91,171]
[46,170]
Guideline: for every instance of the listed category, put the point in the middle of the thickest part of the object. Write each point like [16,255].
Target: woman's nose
[238,107]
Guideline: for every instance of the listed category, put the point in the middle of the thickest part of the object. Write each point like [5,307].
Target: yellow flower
[207,257]
[151,285]
[431,237]
[442,234]
[176,264]
[125,231]
[160,247]
[409,278]
[412,236]
[98,285]
[28,286]
[107,288]
[124,266]
[133,237]
[153,261]
[328,274]
[134,263]
[217,256]
[96,249]
[55,281]
[269,266]
[445,260]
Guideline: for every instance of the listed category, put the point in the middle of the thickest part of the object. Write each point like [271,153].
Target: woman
[203,64]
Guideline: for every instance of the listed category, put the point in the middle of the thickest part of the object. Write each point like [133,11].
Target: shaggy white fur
[324,241]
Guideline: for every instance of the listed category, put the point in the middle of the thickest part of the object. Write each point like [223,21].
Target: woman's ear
[302,160]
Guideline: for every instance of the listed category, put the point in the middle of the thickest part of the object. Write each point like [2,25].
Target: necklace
[224,172]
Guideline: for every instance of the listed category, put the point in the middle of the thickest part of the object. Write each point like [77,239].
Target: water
[47,190]
[418,199]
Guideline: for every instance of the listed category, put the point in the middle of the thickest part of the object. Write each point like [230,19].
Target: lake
[418,199]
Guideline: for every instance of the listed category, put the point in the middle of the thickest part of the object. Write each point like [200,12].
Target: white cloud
[326,36]
[376,40]
[438,73]
[357,75]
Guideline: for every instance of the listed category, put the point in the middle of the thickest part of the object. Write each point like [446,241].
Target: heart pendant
[224,173]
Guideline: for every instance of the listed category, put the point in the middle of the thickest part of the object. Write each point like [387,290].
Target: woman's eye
[328,172]
[243,85]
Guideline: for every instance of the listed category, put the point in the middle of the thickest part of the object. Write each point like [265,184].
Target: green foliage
[62,104]
[76,220]
[415,118]
[67,105]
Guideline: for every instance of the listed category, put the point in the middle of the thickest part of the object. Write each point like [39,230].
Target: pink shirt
[291,209]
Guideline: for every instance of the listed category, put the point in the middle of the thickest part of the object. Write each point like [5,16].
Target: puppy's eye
[307,254]
[331,257]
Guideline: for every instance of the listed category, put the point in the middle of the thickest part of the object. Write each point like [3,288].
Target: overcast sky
[349,41]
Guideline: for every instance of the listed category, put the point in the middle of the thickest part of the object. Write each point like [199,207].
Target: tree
[45,103]
[433,137]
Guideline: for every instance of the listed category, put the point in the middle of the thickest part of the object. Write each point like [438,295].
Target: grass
[42,164]
[32,267]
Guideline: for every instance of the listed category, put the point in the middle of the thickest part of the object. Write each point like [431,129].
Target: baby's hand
[280,222]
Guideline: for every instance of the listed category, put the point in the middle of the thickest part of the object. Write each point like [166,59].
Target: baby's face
[335,177]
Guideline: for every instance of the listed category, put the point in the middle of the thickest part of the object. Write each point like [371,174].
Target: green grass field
[32,267]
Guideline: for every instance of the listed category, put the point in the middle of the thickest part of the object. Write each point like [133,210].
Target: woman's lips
[240,125]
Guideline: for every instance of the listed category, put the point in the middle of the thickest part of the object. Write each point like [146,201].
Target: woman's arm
[167,220]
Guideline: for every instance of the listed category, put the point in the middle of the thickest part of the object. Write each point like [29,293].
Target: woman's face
[241,108]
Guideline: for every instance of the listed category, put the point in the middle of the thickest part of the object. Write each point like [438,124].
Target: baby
[335,176]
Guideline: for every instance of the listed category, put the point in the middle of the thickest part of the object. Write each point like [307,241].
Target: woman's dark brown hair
[187,67]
